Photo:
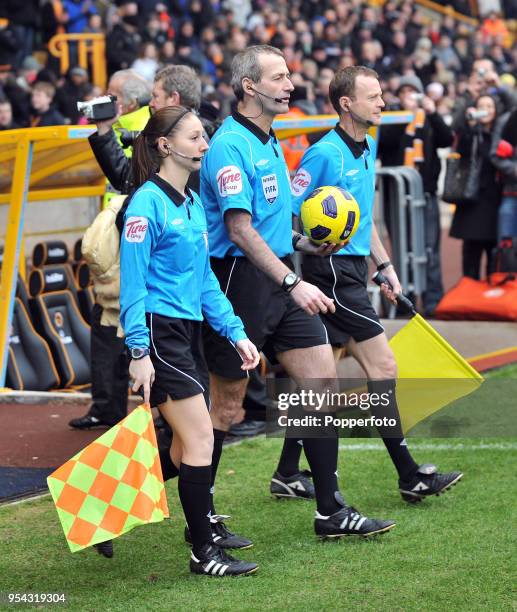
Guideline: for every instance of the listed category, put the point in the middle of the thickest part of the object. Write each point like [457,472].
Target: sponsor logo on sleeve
[270,187]
[229,181]
[135,229]
[301,181]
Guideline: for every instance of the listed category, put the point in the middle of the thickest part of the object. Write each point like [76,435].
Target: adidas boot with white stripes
[221,535]
[298,485]
[349,522]
[427,481]
[214,561]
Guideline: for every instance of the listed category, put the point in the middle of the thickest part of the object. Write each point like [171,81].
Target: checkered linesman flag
[112,485]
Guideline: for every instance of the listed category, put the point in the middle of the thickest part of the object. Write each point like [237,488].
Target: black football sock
[289,463]
[169,470]
[322,456]
[392,437]
[219,436]
[194,493]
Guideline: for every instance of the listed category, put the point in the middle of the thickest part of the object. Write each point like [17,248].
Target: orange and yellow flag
[112,485]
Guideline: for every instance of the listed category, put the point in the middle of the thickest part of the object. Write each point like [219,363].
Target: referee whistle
[379,279]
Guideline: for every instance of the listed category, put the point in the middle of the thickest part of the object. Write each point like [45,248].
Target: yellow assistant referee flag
[431,373]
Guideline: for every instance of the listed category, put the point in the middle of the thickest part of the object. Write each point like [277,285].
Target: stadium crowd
[395,39]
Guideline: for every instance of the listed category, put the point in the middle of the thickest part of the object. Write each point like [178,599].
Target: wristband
[296,240]
[384,265]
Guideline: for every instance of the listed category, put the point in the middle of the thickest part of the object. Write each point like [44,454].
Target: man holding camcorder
[125,106]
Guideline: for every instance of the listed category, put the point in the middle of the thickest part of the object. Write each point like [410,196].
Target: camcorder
[99,109]
[476,115]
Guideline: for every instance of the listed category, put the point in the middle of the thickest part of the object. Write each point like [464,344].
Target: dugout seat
[30,366]
[48,253]
[21,292]
[77,252]
[61,324]
[85,292]
[45,255]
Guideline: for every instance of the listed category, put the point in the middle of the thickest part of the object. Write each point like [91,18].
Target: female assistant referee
[166,287]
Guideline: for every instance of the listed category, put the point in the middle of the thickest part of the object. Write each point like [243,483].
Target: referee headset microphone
[261,93]
[170,150]
[357,118]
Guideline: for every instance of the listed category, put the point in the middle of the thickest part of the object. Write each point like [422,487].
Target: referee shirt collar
[357,148]
[254,129]
[171,192]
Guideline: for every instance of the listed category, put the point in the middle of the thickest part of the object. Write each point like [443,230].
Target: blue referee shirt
[245,168]
[340,161]
[164,264]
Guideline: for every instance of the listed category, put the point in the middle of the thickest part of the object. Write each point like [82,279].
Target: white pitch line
[369,446]
[503,446]
[25,499]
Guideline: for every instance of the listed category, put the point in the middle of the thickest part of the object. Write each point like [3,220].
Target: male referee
[245,189]
[345,157]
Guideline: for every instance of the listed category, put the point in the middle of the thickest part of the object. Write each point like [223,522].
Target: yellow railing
[443,10]
[44,163]
[450,12]
[89,47]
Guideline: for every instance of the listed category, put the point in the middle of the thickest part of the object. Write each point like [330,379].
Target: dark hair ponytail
[146,156]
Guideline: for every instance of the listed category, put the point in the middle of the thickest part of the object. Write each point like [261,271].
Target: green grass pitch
[454,552]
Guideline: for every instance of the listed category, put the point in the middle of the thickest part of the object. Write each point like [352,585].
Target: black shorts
[272,319]
[344,278]
[177,357]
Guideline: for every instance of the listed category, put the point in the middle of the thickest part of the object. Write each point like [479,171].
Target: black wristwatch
[384,265]
[290,281]
[138,352]
[296,240]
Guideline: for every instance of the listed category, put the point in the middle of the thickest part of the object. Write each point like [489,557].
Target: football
[330,214]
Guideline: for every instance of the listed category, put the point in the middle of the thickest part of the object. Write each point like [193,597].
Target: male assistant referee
[246,192]
[345,157]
